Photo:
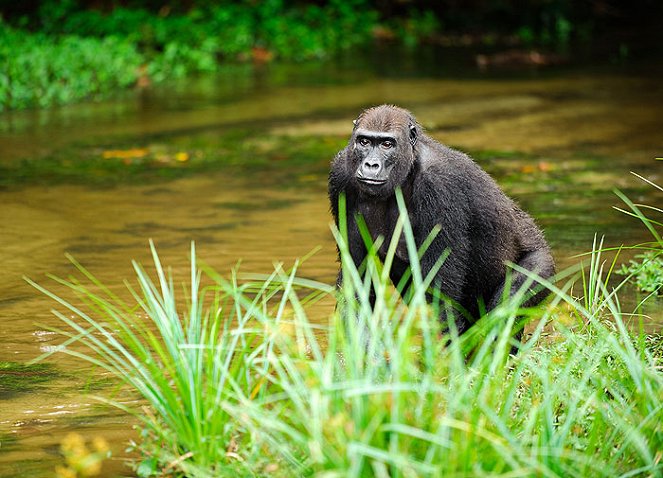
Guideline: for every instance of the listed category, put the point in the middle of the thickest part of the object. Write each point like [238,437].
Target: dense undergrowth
[57,52]
[40,70]
[238,380]
[78,53]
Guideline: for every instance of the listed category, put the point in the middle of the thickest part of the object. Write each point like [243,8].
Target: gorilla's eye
[363,142]
[388,144]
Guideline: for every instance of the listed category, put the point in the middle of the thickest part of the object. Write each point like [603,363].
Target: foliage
[83,50]
[239,380]
[417,28]
[202,34]
[82,53]
[647,272]
[554,29]
[41,70]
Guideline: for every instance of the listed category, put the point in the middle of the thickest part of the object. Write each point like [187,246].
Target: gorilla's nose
[371,166]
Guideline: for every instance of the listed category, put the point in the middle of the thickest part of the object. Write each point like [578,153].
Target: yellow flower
[73,446]
[64,472]
[100,445]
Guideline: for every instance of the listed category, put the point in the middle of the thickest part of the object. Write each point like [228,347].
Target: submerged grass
[127,161]
[16,377]
[239,381]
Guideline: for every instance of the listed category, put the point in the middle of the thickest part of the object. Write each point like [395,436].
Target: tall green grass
[238,380]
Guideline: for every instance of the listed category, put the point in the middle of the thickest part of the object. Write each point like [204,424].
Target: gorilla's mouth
[371,181]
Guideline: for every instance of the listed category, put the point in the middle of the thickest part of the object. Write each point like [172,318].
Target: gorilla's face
[382,160]
[376,154]
[382,150]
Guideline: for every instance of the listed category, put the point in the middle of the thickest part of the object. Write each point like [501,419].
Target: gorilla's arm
[438,201]
[339,183]
[535,256]
[339,178]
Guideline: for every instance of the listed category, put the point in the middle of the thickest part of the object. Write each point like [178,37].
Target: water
[558,141]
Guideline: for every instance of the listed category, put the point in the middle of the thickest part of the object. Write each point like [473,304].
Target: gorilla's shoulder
[437,159]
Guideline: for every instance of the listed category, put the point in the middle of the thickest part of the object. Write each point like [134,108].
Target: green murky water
[238,163]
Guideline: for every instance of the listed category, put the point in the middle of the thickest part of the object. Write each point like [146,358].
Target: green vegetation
[202,35]
[41,70]
[18,377]
[273,157]
[81,53]
[239,381]
[647,271]
[56,52]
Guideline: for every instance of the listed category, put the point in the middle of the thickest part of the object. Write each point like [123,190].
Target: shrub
[87,53]
[43,71]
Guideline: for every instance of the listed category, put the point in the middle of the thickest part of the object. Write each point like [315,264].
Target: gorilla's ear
[354,124]
[413,134]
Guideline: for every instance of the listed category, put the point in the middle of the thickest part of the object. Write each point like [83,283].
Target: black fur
[480,226]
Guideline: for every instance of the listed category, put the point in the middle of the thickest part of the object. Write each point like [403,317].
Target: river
[237,162]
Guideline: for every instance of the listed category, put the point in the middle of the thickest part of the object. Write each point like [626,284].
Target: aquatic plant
[243,382]
[16,377]
[646,269]
[142,163]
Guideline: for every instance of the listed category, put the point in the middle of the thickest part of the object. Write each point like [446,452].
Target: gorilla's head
[382,149]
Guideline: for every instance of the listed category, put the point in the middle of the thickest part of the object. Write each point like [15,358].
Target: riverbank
[63,52]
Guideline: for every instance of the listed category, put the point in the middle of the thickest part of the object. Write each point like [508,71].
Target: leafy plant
[646,269]
[82,53]
[43,71]
[647,272]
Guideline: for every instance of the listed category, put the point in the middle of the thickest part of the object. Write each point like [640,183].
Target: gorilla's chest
[381,218]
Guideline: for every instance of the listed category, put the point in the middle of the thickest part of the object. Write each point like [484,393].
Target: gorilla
[480,228]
